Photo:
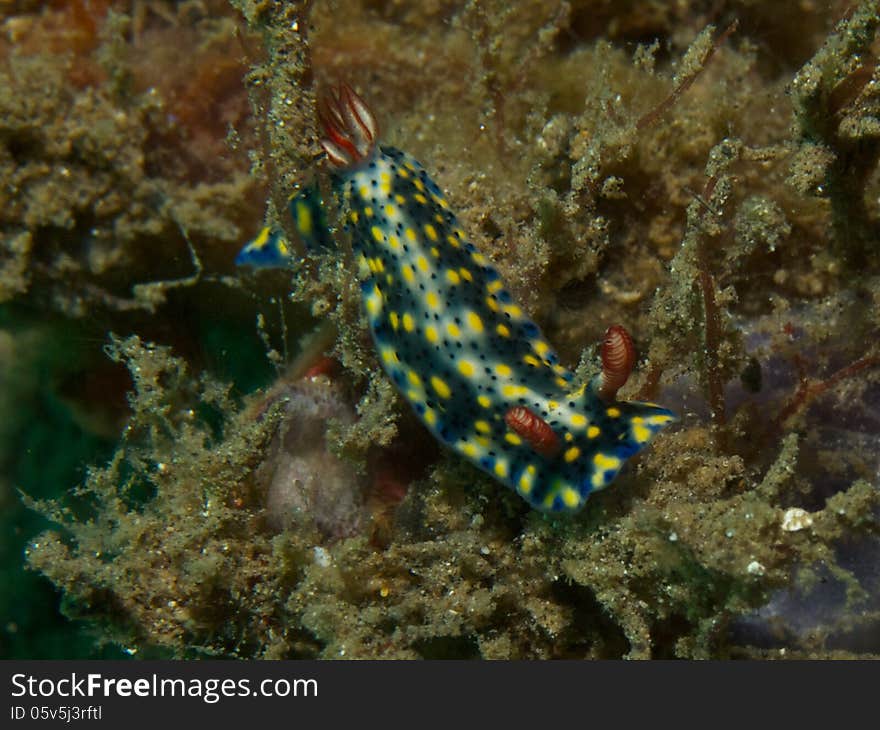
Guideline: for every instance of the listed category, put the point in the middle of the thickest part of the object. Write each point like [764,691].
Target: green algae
[682,224]
[177,556]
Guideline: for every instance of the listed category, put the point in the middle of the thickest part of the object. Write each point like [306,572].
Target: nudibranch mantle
[475,369]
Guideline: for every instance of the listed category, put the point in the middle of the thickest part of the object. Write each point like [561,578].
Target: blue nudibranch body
[476,370]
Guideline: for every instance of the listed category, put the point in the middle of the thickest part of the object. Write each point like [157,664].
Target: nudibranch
[475,369]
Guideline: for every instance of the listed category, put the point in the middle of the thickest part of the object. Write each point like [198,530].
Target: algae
[711,186]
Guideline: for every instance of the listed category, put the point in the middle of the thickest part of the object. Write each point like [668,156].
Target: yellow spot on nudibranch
[503,370]
[578,420]
[541,347]
[474,321]
[431,334]
[641,433]
[414,378]
[593,431]
[503,330]
[410,234]
[390,210]
[364,192]
[409,274]
[512,438]
[514,391]
[303,218]
[430,231]
[465,274]
[466,368]
[369,211]
[501,469]
[453,241]
[531,360]
[570,497]
[485,401]
[440,387]
[422,264]
[394,319]
[573,453]
[419,185]
[353,217]
[262,239]
[468,449]
[602,461]
[432,300]
[409,324]
[613,412]
[513,310]
[495,286]
[374,302]
[430,416]
[492,304]
[482,426]
[452,277]
[393,241]
[418,197]
[526,479]
[453,329]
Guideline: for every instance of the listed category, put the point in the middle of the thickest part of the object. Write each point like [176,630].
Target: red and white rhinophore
[349,125]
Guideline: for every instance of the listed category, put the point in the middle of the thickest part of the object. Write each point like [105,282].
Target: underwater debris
[796,519]
[836,104]
[109,150]
[808,390]
[302,480]
[703,47]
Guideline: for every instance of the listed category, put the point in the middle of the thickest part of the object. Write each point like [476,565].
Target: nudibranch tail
[477,372]
[349,125]
[618,359]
